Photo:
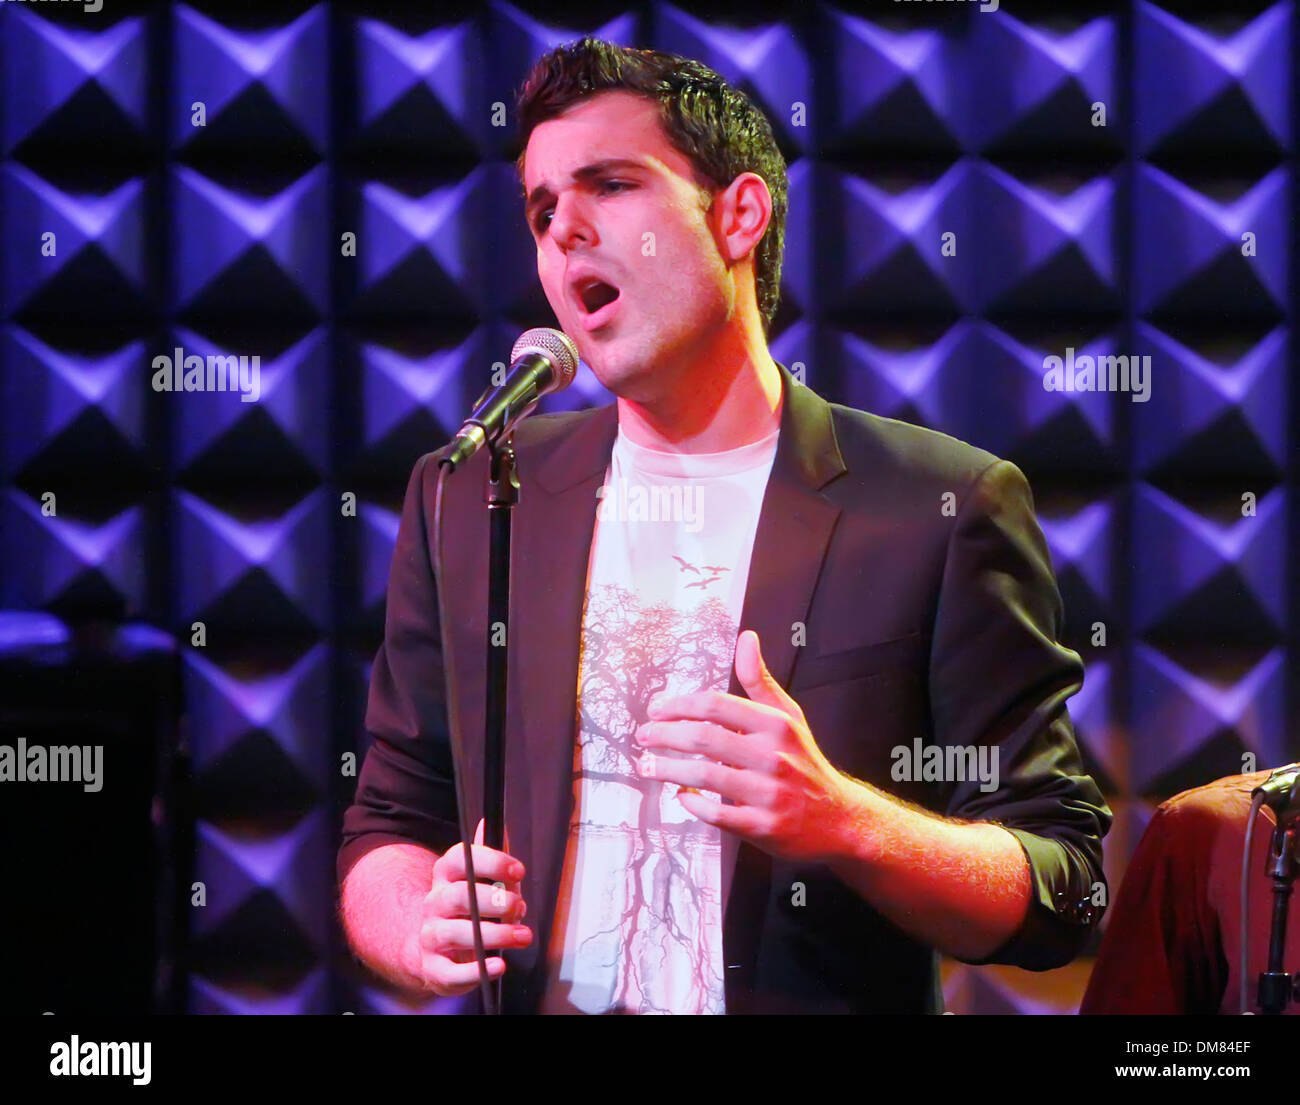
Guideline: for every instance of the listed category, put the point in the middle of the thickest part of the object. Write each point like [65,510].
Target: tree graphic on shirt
[629,654]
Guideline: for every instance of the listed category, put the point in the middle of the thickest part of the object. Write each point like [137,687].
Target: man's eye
[543,218]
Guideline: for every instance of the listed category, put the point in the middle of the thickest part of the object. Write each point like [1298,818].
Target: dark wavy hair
[716,127]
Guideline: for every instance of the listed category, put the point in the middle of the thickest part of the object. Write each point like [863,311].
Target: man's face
[625,249]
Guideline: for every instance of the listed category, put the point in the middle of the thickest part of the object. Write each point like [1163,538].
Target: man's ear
[743,210]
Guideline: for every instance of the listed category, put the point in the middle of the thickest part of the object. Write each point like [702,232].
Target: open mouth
[595,294]
[595,301]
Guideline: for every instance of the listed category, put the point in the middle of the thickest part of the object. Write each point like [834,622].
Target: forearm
[960,887]
[380,904]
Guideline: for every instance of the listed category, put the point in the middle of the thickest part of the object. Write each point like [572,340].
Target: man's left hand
[759,754]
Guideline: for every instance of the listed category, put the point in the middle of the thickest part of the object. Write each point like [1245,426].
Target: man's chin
[630,371]
[613,378]
[606,359]
[627,381]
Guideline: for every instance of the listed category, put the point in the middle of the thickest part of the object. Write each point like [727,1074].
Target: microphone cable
[1255,806]
[453,726]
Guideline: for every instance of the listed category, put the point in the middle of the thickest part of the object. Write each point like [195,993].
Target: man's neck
[717,410]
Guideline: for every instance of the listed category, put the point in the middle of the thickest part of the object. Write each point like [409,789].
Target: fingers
[489,864]
[745,821]
[746,788]
[727,710]
[479,837]
[451,899]
[445,936]
[751,750]
[447,963]
[448,978]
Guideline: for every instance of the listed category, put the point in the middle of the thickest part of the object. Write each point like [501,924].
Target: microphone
[1281,791]
[542,361]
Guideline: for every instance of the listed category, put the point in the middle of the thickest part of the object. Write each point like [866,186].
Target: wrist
[856,829]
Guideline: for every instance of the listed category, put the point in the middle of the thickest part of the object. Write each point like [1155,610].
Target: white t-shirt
[638,925]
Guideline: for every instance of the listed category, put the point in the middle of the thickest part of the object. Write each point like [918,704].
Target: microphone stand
[502,495]
[1275,984]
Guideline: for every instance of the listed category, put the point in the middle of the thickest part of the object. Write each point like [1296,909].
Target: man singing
[787,707]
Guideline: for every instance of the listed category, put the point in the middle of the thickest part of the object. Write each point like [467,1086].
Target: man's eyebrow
[542,193]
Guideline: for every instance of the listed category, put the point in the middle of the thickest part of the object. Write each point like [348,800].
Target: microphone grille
[556,346]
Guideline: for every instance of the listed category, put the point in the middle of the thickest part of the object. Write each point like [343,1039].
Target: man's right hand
[443,951]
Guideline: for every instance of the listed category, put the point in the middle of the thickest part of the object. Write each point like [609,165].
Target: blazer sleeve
[999,676]
[406,790]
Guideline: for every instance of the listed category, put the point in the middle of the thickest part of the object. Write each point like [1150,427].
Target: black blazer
[916,565]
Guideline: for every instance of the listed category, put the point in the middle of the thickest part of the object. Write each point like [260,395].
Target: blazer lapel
[794,529]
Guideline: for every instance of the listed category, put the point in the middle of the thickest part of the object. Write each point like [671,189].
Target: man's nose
[570,225]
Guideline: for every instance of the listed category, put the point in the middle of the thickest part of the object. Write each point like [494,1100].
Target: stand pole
[502,495]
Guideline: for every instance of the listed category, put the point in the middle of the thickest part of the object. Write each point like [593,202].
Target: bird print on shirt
[716,569]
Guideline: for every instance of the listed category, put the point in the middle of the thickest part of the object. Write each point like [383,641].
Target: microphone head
[557,347]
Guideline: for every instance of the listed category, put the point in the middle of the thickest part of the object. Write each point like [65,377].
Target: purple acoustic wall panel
[424,249]
[1200,573]
[1081,538]
[422,93]
[256,568]
[73,562]
[251,195]
[1225,409]
[272,720]
[75,80]
[61,409]
[280,421]
[887,84]
[262,931]
[1046,246]
[92,238]
[1216,84]
[1189,244]
[891,224]
[1204,722]
[239,250]
[1038,83]
[263,86]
